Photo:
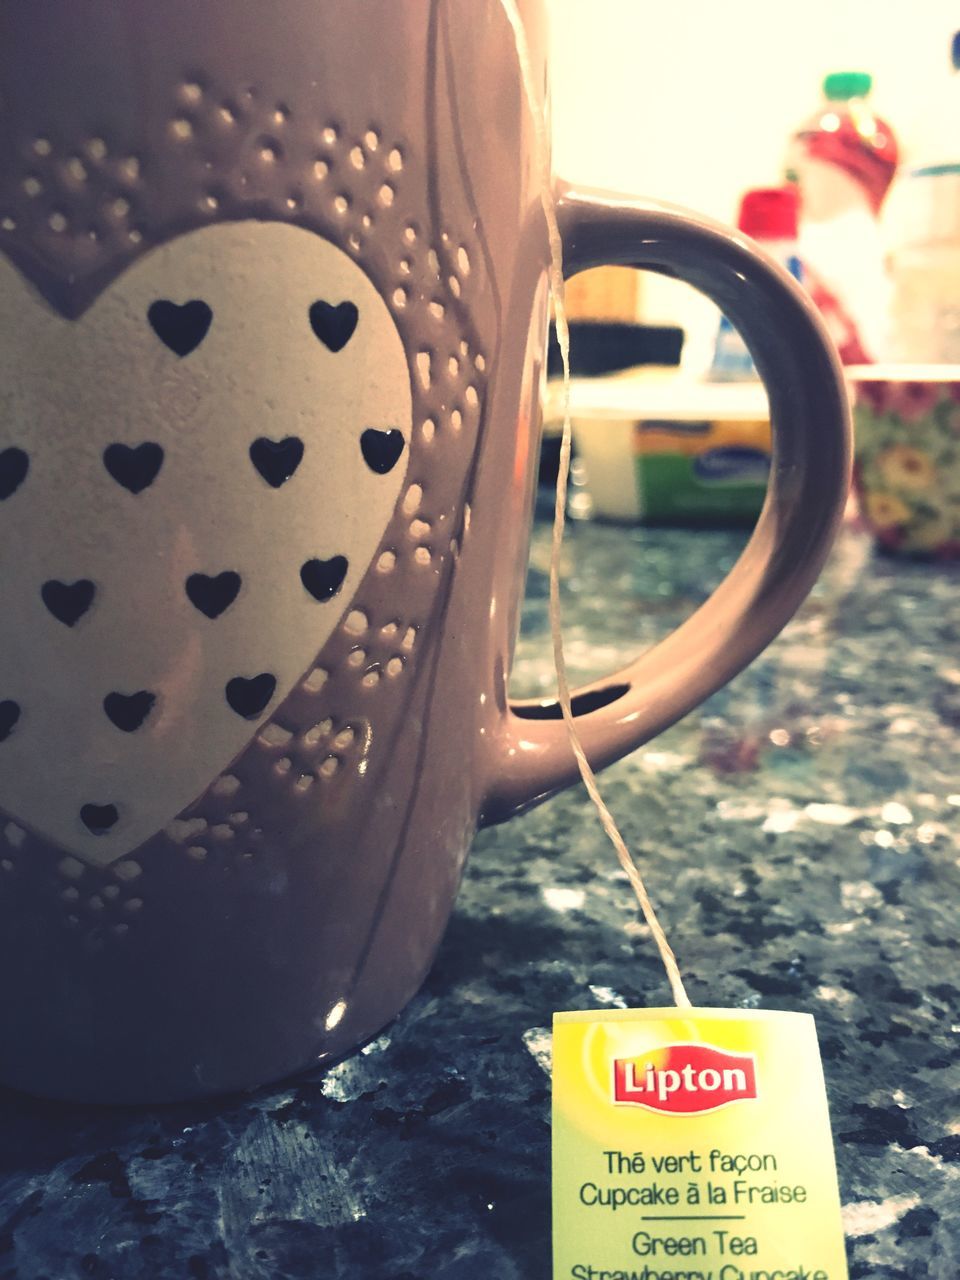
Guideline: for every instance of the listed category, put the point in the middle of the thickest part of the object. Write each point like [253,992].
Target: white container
[921,227]
[665,450]
[926,304]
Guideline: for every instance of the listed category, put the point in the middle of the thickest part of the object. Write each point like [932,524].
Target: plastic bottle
[769,215]
[922,226]
[843,161]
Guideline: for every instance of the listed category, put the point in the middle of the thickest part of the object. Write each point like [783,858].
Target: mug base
[227,1090]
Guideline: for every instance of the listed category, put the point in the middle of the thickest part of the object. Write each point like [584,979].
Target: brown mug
[273,303]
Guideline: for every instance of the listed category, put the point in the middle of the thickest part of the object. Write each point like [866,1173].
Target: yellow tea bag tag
[692,1144]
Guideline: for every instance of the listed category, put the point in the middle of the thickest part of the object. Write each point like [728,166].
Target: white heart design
[137,524]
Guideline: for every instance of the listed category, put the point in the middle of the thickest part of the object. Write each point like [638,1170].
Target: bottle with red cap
[769,216]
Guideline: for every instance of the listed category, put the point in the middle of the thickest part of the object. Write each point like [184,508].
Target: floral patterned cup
[907,471]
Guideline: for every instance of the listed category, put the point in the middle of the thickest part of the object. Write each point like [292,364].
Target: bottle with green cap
[843,161]
[847,133]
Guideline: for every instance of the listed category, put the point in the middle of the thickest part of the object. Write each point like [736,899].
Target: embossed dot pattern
[184,829]
[95,901]
[275,735]
[62,180]
[314,681]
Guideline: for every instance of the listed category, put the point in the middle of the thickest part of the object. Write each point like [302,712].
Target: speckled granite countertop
[801,835]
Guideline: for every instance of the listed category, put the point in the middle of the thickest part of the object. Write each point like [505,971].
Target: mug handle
[809,481]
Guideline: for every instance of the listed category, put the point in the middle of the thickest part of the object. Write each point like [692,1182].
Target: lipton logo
[684,1079]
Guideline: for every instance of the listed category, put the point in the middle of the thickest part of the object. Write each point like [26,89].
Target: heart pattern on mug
[324,578]
[180,327]
[99,818]
[14,465]
[68,601]
[276,460]
[197,526]
[334,325]
[9,715]
[135,468]
[248,696]
[381,449]
[128,711]
[213,595]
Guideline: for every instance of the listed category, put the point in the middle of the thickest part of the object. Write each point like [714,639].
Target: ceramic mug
[273,305]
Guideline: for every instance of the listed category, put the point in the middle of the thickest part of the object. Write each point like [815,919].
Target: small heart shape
[324,578]
[129,710]
[248,697]
[381,449]
[14,465]
[180,327]
[276,460]
[135,467]
[68,601]
[213,595]
[334,325]
[9,715]
[99,818]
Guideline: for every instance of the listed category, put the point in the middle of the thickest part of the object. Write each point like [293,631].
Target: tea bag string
[563,686]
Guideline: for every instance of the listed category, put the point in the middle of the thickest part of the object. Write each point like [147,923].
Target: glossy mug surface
[272,297]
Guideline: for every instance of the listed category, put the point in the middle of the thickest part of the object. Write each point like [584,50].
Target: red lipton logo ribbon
[684,1079]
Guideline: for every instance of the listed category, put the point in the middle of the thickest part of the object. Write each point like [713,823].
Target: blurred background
[692,102]
[829,133]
